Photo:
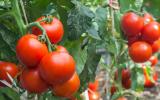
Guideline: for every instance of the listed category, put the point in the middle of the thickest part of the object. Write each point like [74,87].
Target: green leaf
[130,4]
[78,54]
[79,20]
[93,31]
[152,6]
[137,77]
[101,19]
[8,94]
[90,67]
[8,41]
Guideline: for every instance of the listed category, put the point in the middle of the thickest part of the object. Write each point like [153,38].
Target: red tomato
[69,88]
[7,67]
[94,95]
[125,74]
[153,60]
[30,51]
[131,24]
[113,89]
[53,29]
[57,67]
[151,32]
[122,98]
[148,18]
[126,84]
[148,82]
[140,51]
[93,85]
[156,46]
[132,39]
[32,82]
[60,48]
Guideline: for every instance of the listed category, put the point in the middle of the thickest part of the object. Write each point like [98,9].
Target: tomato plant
[93,38]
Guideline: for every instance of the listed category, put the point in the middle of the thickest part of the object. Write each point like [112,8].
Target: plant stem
[44,35]
[24,13]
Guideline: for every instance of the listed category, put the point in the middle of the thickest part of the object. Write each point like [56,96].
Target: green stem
[44,35]
[18,17]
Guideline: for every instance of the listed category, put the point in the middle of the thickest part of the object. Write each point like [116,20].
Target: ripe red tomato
[148,18]
[140,51]
[156,46]
[126,84]
[53,29]
[30,51]
[148,82]
[60,48]
[113,89]
[93,85]
[94,95]
[151,32]
[69,88]
[131,24]
[122,98]
[32,82]
[132,39]
[125,74]
[7,67]
[153,60]
[57,67]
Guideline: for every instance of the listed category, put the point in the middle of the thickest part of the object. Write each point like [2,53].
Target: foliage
[89,28]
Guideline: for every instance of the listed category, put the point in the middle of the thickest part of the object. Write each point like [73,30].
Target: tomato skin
[57,67]
[125,74]
[113,89]
[131,24]
[60,48]
[140,51]
[32,82]
[151,32]
[122,98]
[7,67]
[54,29]
[153,60]
[156,46]
[126,84]
[132,39]
[93,85]
[30,51]
[94,95]
[69,88]
[148,18]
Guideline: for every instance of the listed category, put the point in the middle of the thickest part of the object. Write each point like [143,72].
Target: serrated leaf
[79,20]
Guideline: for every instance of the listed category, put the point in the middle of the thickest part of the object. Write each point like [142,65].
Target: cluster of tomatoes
[43,70]
[150,77]
[143,35]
